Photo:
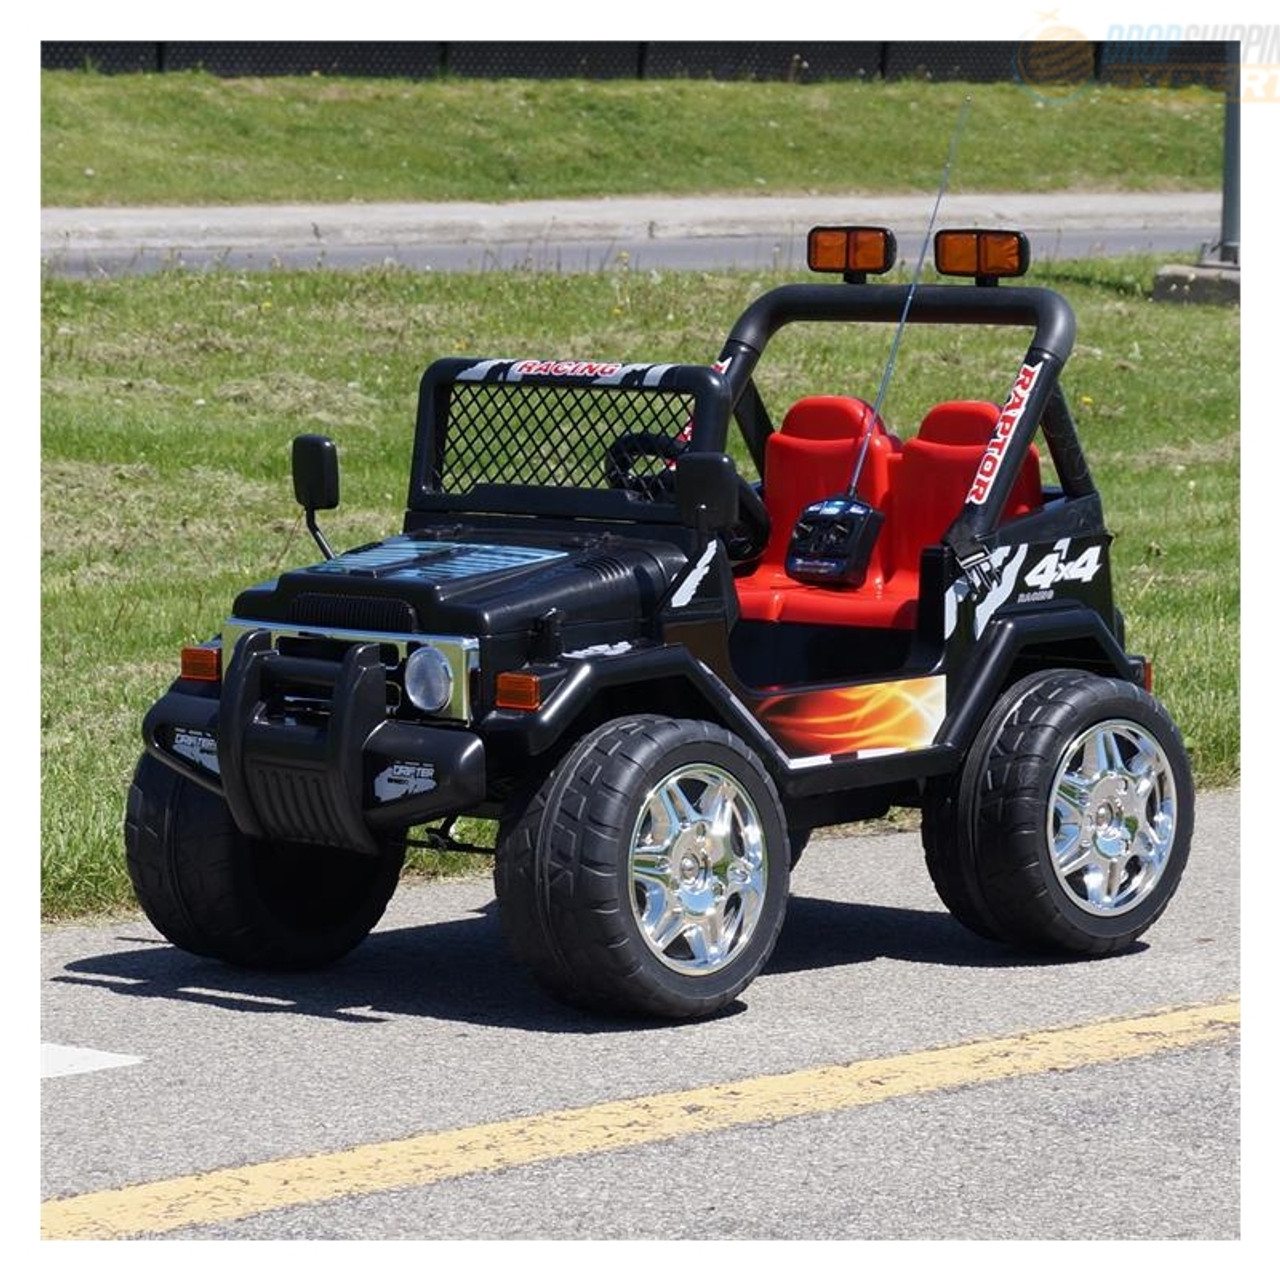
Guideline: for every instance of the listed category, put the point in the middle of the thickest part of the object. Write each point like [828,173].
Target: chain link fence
[1036,63]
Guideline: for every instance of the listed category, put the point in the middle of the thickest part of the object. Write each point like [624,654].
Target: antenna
[833,539]
[911,293]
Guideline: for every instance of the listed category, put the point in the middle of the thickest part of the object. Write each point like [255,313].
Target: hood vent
[353,613]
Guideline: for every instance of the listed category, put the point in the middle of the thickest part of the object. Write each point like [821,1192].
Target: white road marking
[69,1060]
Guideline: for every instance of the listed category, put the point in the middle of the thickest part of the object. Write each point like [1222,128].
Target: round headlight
[428,681]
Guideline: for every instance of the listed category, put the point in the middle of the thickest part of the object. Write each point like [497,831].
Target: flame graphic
[898,715]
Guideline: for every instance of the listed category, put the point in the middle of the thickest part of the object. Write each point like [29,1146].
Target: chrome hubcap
[698,869]
[1113,817]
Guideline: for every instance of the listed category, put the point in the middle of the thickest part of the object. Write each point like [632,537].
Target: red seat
[920,487]
[812,456]
[809,458]
[938,467]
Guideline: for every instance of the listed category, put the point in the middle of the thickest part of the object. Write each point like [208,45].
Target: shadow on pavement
[460,970]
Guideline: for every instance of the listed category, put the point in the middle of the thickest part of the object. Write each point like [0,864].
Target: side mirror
[315,472]
[707,490]
[315,481]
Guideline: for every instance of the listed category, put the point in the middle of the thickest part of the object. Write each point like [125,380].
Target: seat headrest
[829,418]
[965,422]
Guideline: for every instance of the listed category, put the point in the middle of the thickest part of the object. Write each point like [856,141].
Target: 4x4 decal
[1057,567]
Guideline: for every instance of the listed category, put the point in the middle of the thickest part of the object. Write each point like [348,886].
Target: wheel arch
[668,682]
[1012,648]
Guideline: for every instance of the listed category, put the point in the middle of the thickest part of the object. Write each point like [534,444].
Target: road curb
[318,226]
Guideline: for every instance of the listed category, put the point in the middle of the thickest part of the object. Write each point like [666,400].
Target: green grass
[190,138]
[169,403]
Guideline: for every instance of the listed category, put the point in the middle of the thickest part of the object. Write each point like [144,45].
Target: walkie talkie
[833,539]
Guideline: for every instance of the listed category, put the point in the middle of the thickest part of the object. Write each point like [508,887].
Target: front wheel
[1069,827]
[261,904]
[649,873]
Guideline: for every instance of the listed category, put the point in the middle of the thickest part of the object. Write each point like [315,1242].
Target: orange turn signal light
[518,691]
[202,662]
[861,250]
[987,255]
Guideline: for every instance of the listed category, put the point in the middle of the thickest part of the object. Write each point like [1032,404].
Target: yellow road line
[227,1194]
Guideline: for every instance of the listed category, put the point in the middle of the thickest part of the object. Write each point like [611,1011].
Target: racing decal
[567,368]
[997,576]
[604,373]
[688,588]
[1058,567]
[480,371]
[865,719]
[1010,416]
[602,650]
[404,778]
[200,748]
[1004,564]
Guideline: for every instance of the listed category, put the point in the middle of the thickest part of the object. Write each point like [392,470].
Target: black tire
[798,839]
[212,891]
[1042,843]
[581,903]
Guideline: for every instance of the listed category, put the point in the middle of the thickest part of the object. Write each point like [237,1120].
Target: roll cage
[1044,405]
[543,428]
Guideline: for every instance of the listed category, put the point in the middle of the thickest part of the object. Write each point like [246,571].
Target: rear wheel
[1069,827]
[649,872]
[261,904]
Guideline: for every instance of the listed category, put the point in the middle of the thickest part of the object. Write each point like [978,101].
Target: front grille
[303,692]
[296,804]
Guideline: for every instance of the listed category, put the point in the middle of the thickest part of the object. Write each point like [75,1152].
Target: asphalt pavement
[172,1067]
[401,1086]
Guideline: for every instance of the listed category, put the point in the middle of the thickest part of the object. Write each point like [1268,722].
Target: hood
[491,587]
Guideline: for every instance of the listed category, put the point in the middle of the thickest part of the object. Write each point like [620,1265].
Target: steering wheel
[656,483]
[744,540]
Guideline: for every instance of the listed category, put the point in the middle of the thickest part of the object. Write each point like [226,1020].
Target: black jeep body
[592,629]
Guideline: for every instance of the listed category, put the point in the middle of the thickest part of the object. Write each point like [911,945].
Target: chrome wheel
[698,869]
[1113,817]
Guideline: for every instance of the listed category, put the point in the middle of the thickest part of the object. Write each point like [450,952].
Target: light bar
[857,251]
[986,255]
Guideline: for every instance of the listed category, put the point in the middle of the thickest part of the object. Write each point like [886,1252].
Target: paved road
[162,1066]
[590,234]
[428,1037]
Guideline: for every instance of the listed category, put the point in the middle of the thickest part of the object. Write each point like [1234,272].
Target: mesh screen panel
[563,437]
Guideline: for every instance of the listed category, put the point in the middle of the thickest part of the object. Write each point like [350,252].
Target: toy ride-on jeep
[660,678]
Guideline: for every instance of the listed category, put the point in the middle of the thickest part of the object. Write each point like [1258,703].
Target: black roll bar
[1046,312]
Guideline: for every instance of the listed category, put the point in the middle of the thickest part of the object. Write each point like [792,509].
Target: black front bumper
[347,782]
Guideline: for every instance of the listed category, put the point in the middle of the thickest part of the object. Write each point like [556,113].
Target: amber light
[856,249]
[992,254]
[518,691]
[201,662]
